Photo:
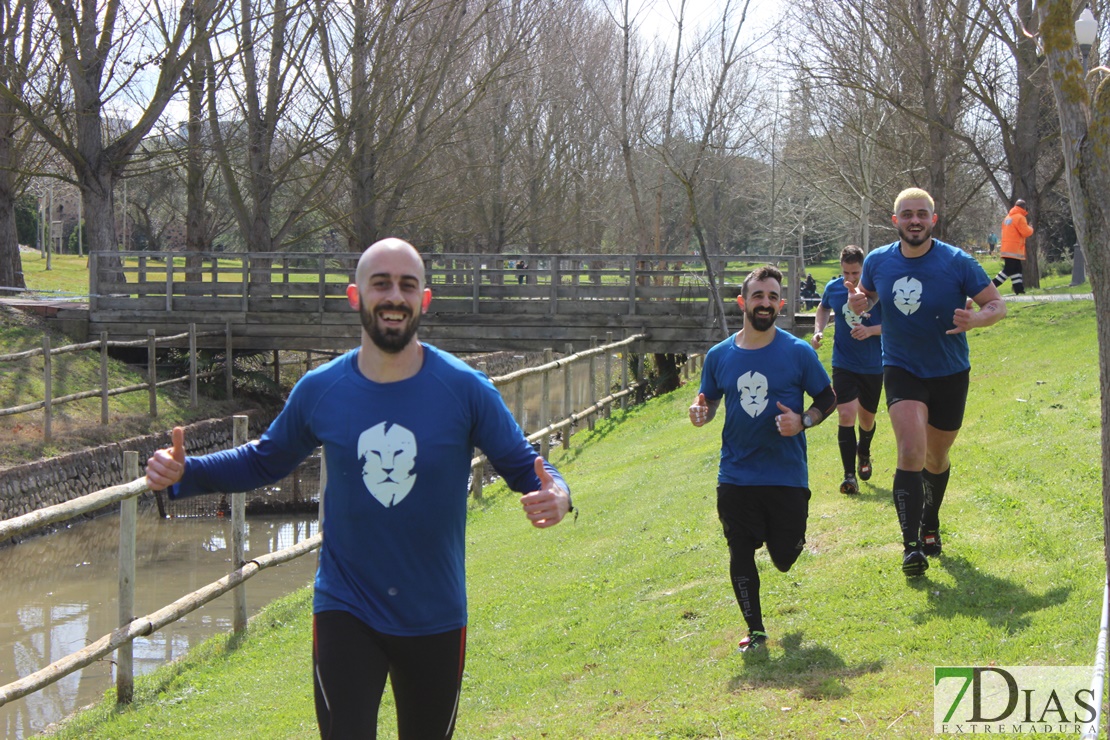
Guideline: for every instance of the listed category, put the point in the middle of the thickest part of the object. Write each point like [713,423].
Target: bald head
[389,256]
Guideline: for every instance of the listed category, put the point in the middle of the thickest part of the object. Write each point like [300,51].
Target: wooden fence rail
[126,494]
[152,383]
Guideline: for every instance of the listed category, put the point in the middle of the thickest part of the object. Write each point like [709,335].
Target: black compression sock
[865,436]
[846,436]
[909,497]
[934,485]
[745,584]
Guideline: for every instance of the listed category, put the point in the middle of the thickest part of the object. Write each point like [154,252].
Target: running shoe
[753,643]
[914,563]
[930,542]
[864,467]
[849,487]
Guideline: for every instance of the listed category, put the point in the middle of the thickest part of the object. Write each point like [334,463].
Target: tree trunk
[11,264]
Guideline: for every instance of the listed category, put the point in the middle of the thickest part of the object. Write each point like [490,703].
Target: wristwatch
[807,420]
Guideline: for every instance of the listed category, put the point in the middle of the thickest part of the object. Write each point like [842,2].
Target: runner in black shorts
[857,362]
[763,376]
[924,285]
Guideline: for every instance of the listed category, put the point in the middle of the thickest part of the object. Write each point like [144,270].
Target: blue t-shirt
[398,462]
[920,296]
[753,453]
[864,356]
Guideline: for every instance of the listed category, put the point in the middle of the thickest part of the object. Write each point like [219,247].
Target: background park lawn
[623,623]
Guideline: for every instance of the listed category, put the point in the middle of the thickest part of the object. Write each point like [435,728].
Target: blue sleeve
[283,447]
[500,438]
[814,376]
[825,297]
[709,377]
[866,275]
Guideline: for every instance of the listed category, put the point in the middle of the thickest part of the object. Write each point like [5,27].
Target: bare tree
[118,57]
[23,51]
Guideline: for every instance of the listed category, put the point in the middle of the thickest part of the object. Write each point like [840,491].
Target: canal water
[59,593]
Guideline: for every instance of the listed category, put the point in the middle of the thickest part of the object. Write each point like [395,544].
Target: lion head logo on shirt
[753,392]
[388,455]
[852,318]
[907,294]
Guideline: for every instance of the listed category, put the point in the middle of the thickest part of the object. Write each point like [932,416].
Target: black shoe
[864,467]
[849,487]
[930,542]
[755,642]
[914,563]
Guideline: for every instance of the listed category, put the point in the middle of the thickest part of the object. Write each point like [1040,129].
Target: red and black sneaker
[864,467]
[755,642]
[930,542]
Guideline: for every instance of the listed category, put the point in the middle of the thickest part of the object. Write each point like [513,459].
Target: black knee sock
[908,499]
[846,436]
[865,436]
[745,584]
[934,485]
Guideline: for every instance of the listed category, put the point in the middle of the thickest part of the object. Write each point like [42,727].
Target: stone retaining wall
[25,488]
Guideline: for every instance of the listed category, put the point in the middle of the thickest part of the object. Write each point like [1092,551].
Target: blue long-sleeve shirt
[398,462]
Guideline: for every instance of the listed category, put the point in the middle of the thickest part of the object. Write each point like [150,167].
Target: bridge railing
[546,284]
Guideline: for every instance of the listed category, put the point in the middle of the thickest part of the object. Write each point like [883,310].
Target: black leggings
[350,662]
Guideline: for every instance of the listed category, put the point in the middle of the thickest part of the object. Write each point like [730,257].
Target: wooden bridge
[480,302]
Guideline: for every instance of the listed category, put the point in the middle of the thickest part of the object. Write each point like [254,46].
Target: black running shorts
[945,397]
[850,385]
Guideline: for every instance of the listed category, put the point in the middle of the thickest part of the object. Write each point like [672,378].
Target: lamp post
[1086,30]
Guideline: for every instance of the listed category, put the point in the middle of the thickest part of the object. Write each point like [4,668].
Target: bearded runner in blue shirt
[923,285]
[857,362]
[763,479]
[399,421]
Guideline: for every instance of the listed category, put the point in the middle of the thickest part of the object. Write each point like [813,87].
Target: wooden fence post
[545,404]
[229,361]
[128,521]
[239,532]
[152,372]
[641,357]
[608,374]
[169,284]
[593,383]
[518,402]
[277,369]
[104,378]
[47,391]
[624,376]
[193,400]
[568,387]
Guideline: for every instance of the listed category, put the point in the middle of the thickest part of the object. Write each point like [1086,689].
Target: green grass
[623,623]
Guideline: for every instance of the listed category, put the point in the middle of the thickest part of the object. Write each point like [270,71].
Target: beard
[916,240]
[761,322]
[391,340]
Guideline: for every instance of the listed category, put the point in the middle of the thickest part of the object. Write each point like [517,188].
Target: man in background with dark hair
[763,478]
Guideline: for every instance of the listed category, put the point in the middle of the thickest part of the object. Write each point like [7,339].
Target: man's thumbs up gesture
[699,411]
[548,505]
[166,466]
[857,299]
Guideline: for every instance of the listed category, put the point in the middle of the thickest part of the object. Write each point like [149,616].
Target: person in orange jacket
[1015,229]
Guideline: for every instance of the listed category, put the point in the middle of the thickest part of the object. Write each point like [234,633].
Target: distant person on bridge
[1015,230]
[857,362]
[399,421]
[924,284]
[763,480]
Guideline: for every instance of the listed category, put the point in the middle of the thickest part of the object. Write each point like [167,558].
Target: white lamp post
[1086,30]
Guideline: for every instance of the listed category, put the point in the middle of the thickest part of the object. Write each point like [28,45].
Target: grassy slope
[623,624]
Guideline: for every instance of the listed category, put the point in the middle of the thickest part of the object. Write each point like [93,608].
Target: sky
[659,15]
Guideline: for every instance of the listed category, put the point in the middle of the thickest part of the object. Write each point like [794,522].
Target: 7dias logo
[1013,700]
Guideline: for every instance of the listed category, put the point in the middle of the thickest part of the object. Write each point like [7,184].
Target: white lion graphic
[388,455]
[907,295]
[753,392]
[851,317]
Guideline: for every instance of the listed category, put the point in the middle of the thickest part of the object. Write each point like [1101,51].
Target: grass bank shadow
[1000,602]
[818,671]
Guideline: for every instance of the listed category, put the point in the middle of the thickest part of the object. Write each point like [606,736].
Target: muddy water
[58,593]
